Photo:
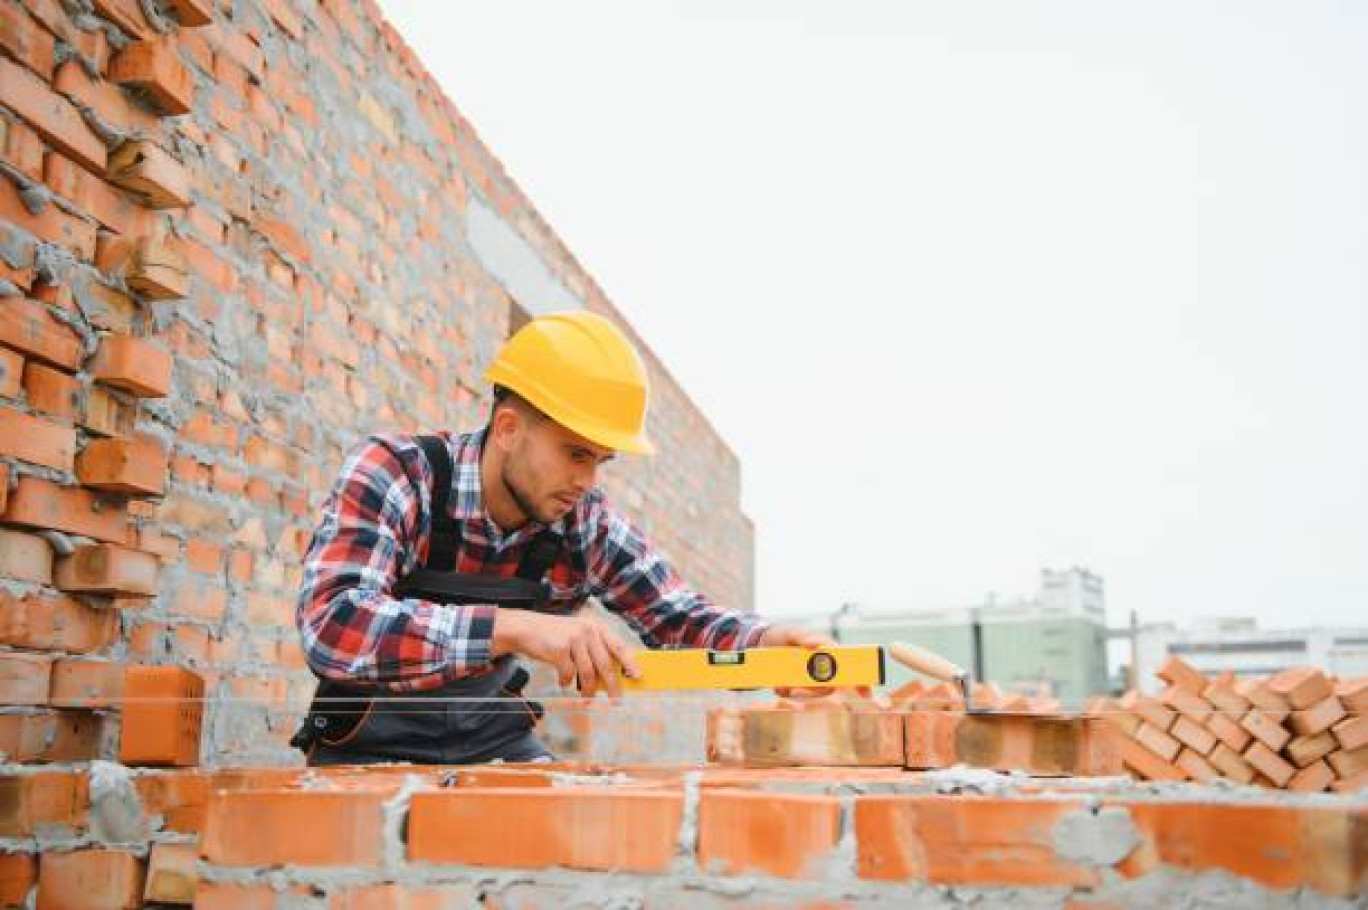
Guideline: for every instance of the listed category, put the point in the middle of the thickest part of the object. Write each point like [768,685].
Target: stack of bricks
[386,838]
[233,241]
[916,733]
[1299,729]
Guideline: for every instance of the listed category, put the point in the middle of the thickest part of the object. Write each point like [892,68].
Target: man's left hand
[779,636]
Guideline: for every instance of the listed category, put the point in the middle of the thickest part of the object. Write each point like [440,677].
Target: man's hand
[795,636]
[577,646]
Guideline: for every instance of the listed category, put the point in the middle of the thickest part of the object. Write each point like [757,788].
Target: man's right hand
[577,646]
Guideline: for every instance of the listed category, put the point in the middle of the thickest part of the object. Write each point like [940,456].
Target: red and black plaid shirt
[375,529]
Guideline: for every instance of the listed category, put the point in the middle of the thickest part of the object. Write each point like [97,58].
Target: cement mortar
[116,810]
[1096,836]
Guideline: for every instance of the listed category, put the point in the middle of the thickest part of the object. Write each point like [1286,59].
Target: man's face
[546,468]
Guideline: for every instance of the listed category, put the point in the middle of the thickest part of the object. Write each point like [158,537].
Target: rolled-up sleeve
[631,578]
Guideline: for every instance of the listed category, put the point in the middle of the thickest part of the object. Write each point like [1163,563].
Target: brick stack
[1300,729]
[919,733]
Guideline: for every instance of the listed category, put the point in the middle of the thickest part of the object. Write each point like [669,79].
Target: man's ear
[504,428]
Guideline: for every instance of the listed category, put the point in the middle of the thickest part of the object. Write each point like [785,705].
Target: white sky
[976,288]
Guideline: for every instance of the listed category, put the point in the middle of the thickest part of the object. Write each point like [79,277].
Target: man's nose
[585,478]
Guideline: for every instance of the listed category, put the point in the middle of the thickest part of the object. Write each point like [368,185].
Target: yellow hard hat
[581,371]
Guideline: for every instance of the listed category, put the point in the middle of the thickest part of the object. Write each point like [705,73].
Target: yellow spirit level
[758,668]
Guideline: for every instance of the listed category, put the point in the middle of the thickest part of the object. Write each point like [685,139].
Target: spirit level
[842,666]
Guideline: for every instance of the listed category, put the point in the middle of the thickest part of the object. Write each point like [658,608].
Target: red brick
[237,46]
[1318,717]
[11,372]
[1353,694]
[1231,764]
[79,683]
[178,797]
[126,14]
[50,223]
[26,41]
[90,880]
[964,840]
[284,238]
[155,67]
[1193,735]
[1303,750]
[107,569]
[135,365]
[1348,763]
[106,414]
[192,12]
[43,504]
[1228,731]
[136,465]
[52,391]
[1222,696]
[1301,686]
[208,265]
[1195,766]
[783,736]
[1153,713]
[28,326]
[24,678]
[580,828]
[21,148]
[1353,784]
[51,115]
[1180,673]
[150,173]
[171,874]
[157,269]
[1269,764]
[1161,744]
[53,622]
[1268,731]
[297,827]
[93,196]
[163,712]
[1273,706]
[1314,778]
[1352,733]
[1145,764]
[1279,847]
[36,440]
[1005,742]
[54,801]
[67,736]
[18,872]
[25,557]
[782,835]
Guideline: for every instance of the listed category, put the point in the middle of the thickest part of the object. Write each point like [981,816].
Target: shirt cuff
[752,630]
[467,636]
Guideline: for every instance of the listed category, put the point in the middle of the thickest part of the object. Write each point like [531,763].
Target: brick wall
[233,240]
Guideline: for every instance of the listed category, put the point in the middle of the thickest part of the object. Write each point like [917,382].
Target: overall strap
[445,532]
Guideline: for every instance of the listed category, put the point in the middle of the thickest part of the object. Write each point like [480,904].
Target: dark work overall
[466,721]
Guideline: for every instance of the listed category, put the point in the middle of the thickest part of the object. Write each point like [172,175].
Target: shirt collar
[467,496]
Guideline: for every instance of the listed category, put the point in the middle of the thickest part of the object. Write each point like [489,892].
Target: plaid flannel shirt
[375,528]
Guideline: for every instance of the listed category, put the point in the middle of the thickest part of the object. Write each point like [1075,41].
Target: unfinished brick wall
[234,239]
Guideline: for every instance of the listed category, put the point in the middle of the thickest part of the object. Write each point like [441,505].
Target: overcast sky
[976,288]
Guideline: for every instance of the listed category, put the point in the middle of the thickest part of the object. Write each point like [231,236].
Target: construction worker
[441,559]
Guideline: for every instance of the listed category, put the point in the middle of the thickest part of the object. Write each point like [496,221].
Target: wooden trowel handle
[924,661]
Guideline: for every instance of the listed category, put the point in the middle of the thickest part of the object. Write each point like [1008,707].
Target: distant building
[1054,641]
[1239,646]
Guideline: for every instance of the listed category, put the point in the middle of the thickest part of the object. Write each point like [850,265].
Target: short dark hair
[506,397]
